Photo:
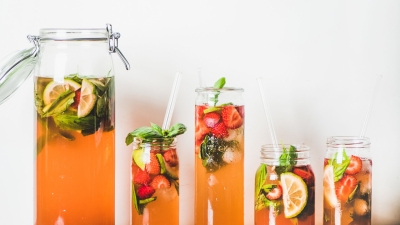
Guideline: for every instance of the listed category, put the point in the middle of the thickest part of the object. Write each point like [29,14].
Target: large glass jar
[219,156]
[284,186]
[155,182]
[347,181]
[74,122]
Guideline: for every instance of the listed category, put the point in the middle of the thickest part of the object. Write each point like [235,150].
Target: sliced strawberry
[141,177]
[153,167]
[240,110]
[171,157]
[160,181]
[145,191]
[345,186]
[306,175]
[220,130]
[274,193]
[77,98]
[355,165]
[211,119]
[231,117]
[325,162]
[200,111]
[201,130]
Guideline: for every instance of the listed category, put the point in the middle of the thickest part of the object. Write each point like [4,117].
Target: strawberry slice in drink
[231,117]
[355,165]
[345,187]
[275,193]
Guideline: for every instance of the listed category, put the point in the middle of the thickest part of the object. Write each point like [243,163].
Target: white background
[319,60]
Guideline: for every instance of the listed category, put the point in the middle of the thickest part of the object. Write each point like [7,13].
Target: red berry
[220,130]
[141,177]
[240,110]
[354,166]
[200,111]
[153,167]
[275,193]
[345,186]
[160,181]
[171,157]
[306,175]
[201,130]
[77,98]
[231,117]
[211,119]
[145,191]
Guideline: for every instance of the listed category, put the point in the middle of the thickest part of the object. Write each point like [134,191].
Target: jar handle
[113,45]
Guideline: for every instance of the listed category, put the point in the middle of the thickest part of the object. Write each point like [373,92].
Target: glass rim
[348,141]
[272,147]
[73,34]
[224,89]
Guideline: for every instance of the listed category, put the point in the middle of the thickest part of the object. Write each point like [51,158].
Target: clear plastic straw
[369,109]
[172,100]
[267,113]
[201,77]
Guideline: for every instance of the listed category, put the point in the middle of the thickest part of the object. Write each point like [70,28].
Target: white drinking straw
[201,77]
[369,109]
[171,103]
[267,113]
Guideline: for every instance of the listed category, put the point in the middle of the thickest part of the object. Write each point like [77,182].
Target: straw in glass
[171,103]
[267,113]
[369,108]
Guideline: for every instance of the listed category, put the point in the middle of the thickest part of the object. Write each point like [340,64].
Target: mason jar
[219,156]
[347,181]
[284,186]
[74,99]
[155,182]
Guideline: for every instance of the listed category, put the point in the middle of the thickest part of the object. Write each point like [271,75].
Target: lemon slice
[137,156]
[294,194]
[329,187]
[87,99]
[54,89]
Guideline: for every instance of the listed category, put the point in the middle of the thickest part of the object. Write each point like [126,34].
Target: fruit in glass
[347,182]
[74,150]
[284,187]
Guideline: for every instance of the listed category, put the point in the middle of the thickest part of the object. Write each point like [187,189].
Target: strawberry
[160,181]
[200,111]
[77,98]
[201,130]
[345,186]
[211,119]
[141,177]
[307,176]
[220,130]
[145,191]
[153,167]
[171,157]
[240,110]
[355,165]
[231,117]
[275,193]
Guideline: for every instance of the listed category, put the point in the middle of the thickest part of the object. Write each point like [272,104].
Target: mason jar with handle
[74,95]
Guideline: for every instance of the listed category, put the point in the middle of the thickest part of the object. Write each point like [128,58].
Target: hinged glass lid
[15,68]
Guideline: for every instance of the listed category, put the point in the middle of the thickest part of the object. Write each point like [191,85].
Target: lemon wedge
[294,195]
[53,90]
[87,99]
[329,187]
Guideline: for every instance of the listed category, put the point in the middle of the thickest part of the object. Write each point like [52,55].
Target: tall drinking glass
[219,156]
[284,186]
[155,182]
[347,181]
[75,132]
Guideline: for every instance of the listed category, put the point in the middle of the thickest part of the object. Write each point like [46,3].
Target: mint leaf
[287,159]
[218,85]
[339,168]
[73,122]
[155,131]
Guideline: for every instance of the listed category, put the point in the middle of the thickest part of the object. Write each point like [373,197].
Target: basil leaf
[339,168]
[157,128]
[261,176]
[143,133]
[287,160]
[218,85]
[176,130]
[60,104]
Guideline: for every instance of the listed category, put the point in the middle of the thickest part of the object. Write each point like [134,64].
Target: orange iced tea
[284,187]
[219,159]
[347,181]
[75,151]
[155,182]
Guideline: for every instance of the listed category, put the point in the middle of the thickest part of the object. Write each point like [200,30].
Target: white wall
[319,60]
